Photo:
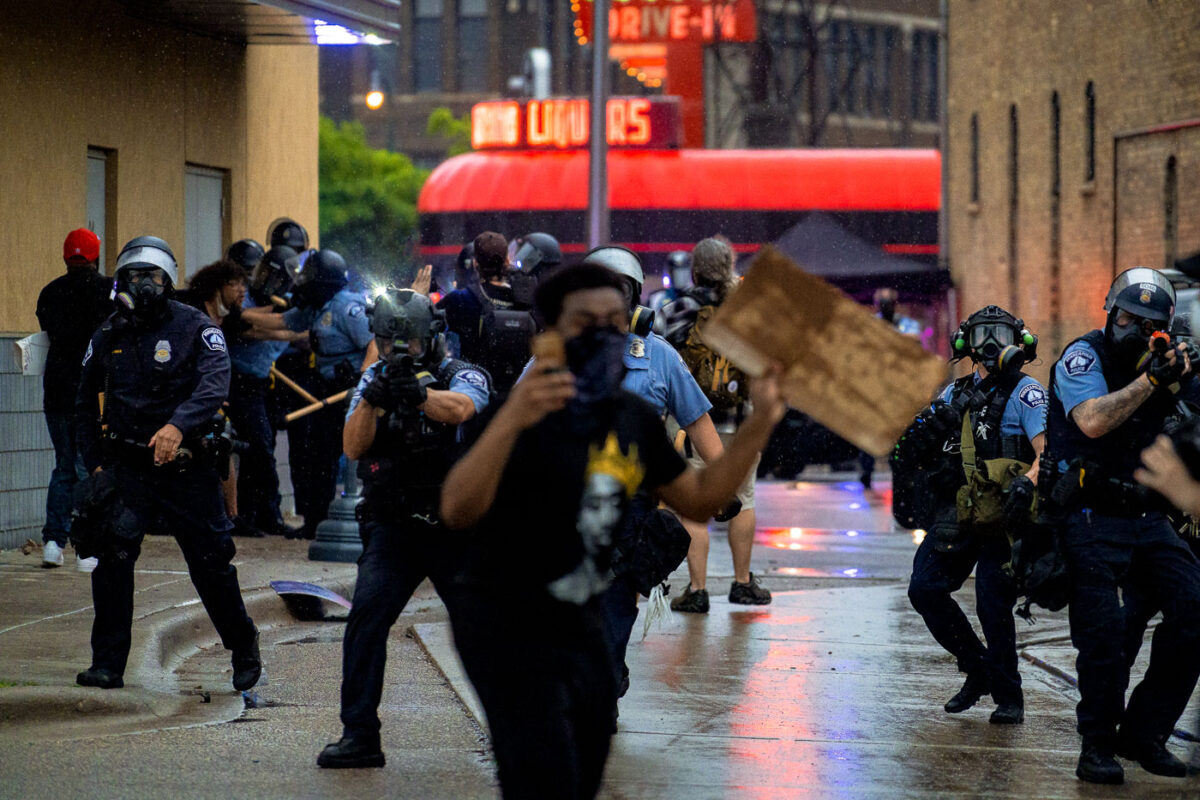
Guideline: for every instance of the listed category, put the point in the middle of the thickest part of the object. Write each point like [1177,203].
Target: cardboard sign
[844,367]
[31,353]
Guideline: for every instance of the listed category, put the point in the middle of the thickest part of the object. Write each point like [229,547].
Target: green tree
[368,200]
[455,130]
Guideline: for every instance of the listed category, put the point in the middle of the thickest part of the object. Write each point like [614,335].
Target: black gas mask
[1131,341]
[596,357]
[142,292]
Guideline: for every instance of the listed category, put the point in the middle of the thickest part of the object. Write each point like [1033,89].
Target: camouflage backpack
[725,386]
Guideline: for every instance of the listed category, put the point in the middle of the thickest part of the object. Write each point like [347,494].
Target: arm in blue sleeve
[358,328]
[87,402]
[473,385]
[1078,376]
[685,399]
[212,366]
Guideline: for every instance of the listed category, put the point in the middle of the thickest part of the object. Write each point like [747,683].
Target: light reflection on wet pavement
[835,689]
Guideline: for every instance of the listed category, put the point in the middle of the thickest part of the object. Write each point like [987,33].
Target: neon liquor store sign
[562,123]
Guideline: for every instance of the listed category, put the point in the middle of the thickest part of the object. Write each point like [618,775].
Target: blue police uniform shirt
[469,381]
[342,332]
[655,372]
[1025,412]
[174,371]
[254,357]
[1078,376]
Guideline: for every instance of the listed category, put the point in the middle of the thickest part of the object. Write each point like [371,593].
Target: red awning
[756,180]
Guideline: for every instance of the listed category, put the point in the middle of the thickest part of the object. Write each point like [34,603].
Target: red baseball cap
[81,247]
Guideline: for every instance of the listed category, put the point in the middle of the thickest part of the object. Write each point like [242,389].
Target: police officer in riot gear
[1110,392]
[403,426]
[339,336]
[984,430]
[164,372]
[535,257]
[288,233]
[493,328]
[246,253]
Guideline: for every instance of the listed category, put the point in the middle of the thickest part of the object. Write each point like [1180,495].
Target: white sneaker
[51,555]
[86,564]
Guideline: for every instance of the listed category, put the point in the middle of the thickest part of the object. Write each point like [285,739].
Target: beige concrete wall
[81,73]
[1142,60]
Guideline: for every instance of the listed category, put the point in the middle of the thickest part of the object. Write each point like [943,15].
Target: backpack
[503,340]
[725,385]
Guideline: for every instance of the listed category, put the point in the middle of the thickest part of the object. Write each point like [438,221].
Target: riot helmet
[622,261]
[679,269]
[536,251]
[145,278]
[271,278]
[318,279]
[1149,297]
[245,253]
[286,231]
[986,336]
[401,317]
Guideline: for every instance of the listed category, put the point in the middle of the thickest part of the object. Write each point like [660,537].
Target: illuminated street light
[374,99]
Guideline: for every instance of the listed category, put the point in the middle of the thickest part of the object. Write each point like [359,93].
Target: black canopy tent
[820,245]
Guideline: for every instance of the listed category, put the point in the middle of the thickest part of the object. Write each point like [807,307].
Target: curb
[167,637]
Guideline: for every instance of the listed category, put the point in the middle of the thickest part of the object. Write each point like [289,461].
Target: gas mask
[596,359]
[1129,342]
[987,341]
[141,293]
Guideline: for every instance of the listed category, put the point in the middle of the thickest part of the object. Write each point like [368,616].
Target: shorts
[745,491]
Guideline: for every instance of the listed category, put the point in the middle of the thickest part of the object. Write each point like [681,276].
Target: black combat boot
[1097,764]
[1152,754]
[352,752]
[247,666]
[1008,714]
[975,687]
[100,677]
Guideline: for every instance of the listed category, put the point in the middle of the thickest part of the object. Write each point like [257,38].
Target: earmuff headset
[1028,340]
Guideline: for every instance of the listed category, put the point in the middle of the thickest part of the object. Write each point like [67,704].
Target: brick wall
[1140,57]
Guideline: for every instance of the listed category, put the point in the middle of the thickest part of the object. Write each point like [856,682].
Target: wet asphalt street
[834,690]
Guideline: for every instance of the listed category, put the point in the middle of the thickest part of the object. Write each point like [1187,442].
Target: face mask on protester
[596,359]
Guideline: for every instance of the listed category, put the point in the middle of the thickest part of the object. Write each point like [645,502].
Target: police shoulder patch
[88,355]
[473,377]
[1079,361]
[356,310]
[213,339]
[1033,395]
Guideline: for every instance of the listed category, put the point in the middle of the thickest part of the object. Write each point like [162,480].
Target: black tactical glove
[729,512]
[1019,501]
[928,433]
[378,394]
[1162,372]
[405,386]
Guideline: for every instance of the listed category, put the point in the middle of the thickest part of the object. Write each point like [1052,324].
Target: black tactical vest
[1119,450]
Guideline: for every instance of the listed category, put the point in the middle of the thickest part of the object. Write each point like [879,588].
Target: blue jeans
[68,470]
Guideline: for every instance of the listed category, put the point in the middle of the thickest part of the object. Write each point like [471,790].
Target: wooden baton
[295,387]
[317,406]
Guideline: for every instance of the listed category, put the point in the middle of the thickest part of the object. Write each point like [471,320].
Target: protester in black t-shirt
[546,487]
[69,310]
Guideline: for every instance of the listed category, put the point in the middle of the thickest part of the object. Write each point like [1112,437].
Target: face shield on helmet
[405,322]
[1147,299]
[246,253]
[318,278]
[532,252]
[271,278]
[145,275]
[289,233]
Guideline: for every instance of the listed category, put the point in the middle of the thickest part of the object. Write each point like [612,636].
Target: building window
[974,158]
[1170,213]
[1090,125]
[472,46]
[427,46]
[857,62]
[924,75]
